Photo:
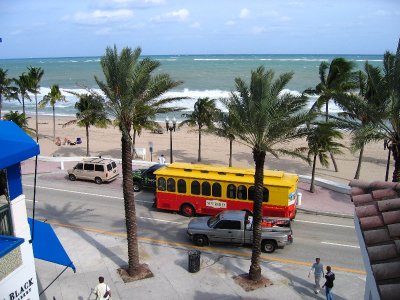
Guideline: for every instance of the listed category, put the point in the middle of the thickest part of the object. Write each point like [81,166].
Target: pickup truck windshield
[213,221]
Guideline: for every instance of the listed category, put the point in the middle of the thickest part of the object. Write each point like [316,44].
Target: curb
[324,213]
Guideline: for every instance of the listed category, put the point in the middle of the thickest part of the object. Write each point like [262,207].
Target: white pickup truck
[235,226]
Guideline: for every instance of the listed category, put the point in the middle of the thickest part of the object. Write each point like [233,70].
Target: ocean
[202,75]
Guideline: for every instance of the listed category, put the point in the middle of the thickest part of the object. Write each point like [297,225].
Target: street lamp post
[170,126]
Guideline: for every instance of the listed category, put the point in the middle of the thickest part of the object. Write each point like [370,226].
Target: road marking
[342,245]
[163,221]
[83,193]
[327,224]
[209,249]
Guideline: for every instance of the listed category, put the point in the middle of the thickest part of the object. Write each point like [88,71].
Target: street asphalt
[99,253]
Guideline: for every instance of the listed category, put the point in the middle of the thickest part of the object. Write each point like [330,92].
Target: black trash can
[194,261]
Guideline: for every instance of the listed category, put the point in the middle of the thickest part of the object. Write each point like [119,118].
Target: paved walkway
[96,254]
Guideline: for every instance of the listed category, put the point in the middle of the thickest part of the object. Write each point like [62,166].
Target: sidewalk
[98,254]
[171,279]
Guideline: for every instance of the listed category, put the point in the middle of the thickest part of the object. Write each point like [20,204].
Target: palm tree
[23,85]
[320,141]
[146,110]
[357,107]
[203,115]
[385,123]
[5,87]
[21,120]
[223,128]
[262,118]
[128,82]
[338,80]
[90,111]
[35,75]
[52,98]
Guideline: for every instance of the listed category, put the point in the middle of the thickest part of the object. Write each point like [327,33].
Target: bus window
[205,188]
[265,195]
[195,188]
[216,190]
[181,186]
[242,192]
[170,185]
[161,184]
[231,191]
[251,193]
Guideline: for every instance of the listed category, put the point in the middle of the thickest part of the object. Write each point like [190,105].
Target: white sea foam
[223,59]
[379,60]
[67,108]
[294,59]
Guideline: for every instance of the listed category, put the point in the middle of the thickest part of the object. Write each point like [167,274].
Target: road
[100,208]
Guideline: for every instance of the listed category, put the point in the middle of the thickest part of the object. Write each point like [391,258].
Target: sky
[57,28]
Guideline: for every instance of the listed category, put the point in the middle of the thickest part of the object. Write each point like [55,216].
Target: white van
[96,169]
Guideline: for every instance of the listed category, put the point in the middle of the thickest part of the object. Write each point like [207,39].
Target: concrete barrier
[61,160]
[328,184]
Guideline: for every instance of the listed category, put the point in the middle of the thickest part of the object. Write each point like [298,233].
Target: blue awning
[8,244]
[15,145]
[47,246]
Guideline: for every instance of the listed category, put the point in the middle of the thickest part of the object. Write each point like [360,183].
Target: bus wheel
[187,210]
[200,240]
[268,246]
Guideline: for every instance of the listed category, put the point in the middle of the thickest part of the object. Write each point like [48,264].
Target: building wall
[22,283]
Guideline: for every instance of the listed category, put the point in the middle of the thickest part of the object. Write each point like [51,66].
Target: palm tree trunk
[129,203]
[230,152]
[396,158]
[326,120]
[360,157]
[255,268]
[134,144]
[37,122]
[334,162]
[87,140]
[54,123]
[23,103]
[312,186]
[199,156]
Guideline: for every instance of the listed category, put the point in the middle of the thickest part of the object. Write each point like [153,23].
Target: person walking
[161,159]
[102,290]
[318,270]
[330,277]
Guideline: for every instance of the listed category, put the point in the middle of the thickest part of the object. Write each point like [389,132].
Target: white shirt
[161,160]
[100,290]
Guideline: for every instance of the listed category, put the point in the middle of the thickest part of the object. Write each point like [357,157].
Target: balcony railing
[5,221]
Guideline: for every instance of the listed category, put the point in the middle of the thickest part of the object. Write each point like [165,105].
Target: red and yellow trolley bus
[206,189]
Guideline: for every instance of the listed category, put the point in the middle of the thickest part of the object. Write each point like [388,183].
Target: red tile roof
[377,206]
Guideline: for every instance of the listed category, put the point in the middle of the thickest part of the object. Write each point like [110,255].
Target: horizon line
[144,55]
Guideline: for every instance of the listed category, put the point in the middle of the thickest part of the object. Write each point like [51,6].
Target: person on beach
[330,277]
[318,270]
[58,141]
[161,159]
[102,290]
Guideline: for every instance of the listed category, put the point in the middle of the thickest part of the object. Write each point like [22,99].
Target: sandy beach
[215,150]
